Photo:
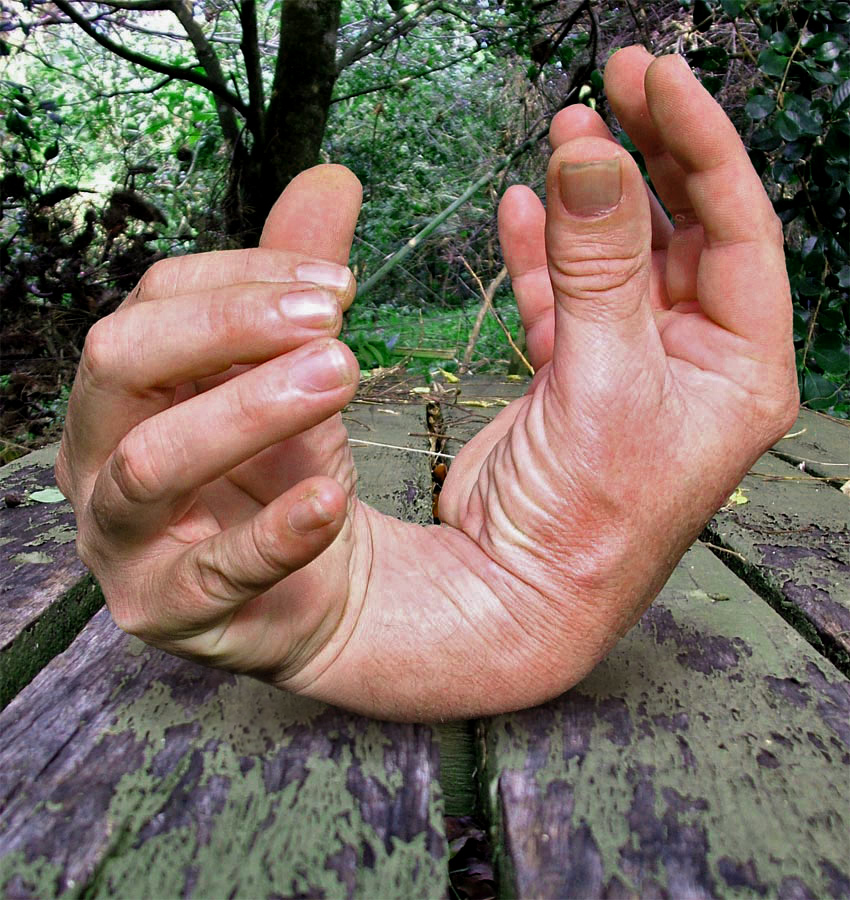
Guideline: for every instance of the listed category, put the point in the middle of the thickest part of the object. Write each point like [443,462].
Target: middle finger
[151,478]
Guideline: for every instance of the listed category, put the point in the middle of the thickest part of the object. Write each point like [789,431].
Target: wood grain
[791,540]
[708,756]
[127,772]
[46,595]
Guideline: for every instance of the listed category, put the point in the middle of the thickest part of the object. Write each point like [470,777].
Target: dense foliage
[798,99]
[107,165]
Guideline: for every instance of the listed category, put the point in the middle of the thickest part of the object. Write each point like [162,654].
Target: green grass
[429,337]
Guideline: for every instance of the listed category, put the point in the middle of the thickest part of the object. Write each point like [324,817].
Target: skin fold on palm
[664,369]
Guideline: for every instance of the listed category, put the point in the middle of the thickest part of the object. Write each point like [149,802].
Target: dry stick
[488,304]
[482,311]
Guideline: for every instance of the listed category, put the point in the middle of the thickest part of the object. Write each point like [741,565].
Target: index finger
[200,273]
[725,192]
[742,284]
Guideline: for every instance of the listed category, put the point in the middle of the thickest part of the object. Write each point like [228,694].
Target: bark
[290,135]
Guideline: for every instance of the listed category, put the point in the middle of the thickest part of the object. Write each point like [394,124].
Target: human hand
[665,368]
[190,434]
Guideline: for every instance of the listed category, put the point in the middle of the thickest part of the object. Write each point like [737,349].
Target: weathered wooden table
[708,756]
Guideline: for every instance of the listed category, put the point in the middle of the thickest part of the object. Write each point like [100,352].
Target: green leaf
[808,123]
[760,106]
[780,42]
[819,39]
[772,63]
[817,391]
[828,52]
[710,59]
[732,8]
[800,327]
[48,495]
[765,138]
[783,172]
[712,84]
[841,95]
[787,127]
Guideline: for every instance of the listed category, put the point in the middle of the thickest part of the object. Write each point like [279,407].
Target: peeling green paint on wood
[128,772]
[46,594]
[708,755]
[820,442]
[792,541]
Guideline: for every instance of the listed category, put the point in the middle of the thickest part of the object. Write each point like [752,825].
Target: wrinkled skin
[214,487]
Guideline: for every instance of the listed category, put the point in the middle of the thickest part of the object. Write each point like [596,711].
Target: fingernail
[591,188]
[310,309]
[322,370]
[308,514]
[337,278]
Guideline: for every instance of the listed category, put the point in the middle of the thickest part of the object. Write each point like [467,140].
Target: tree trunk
[290,134]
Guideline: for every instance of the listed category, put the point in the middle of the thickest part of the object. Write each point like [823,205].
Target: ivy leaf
[841,95]
[818,391]
[760,106]
[772,63]
[787,127]
[828,52]
[765,138]
[732,8]
[831,354]
[780,42]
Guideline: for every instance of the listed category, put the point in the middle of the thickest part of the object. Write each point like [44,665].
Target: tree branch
[383,33]
[220,91]
[208,58]
[422,73]
[438,220]
[250,47]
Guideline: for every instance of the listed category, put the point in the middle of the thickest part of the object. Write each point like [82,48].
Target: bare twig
[724,550]
[488,304]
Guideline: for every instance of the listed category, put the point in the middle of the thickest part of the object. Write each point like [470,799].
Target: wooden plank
[791,540]
[395,482]
[820,443]
[127,772]
[707,756]
[46,595]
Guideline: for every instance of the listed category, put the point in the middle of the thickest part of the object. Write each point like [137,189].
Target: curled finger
[157,468]
[211,605]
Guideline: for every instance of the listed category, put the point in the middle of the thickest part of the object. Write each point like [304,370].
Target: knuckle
[99,350]
[215,580]
[267,549]
[133,470]
[585,276]
[254,403]
[153,281]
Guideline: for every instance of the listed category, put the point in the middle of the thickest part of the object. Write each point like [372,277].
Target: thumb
[598,243]
[316,214]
